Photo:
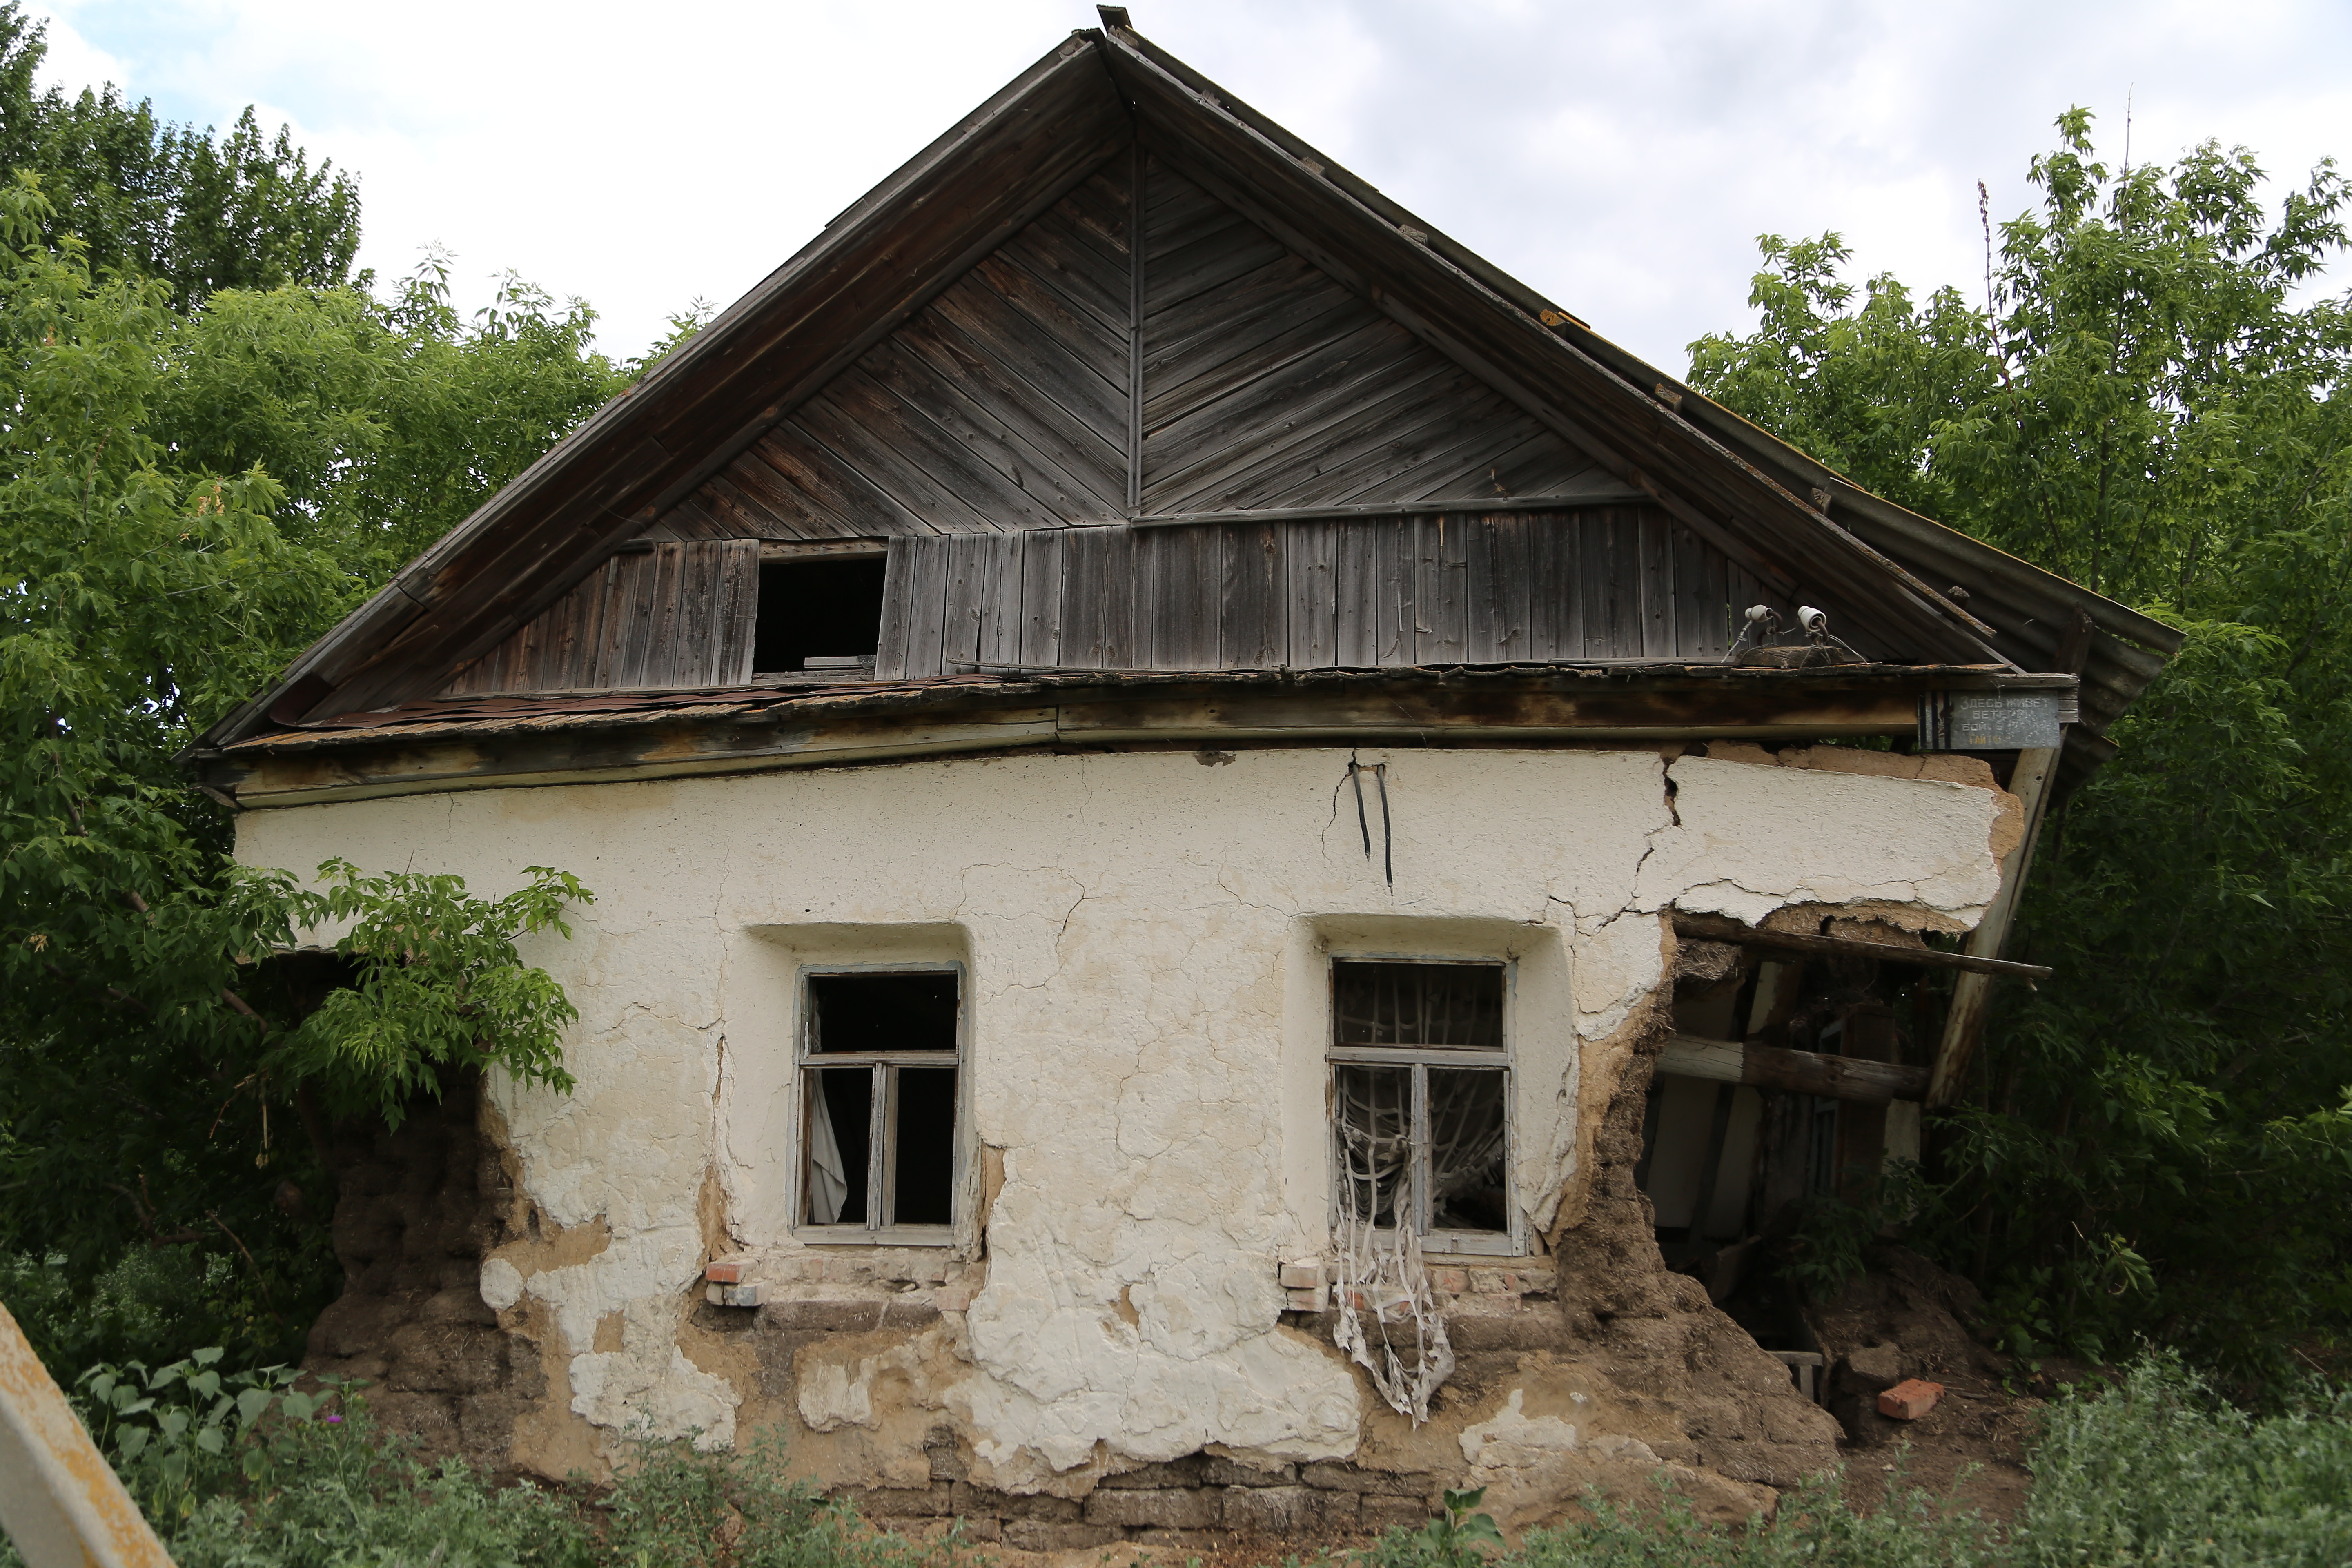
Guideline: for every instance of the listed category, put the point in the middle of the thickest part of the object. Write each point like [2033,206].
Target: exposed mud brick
[412,1219]
[1910,1399]
[1719,1418]
[1038,1509]
[1384,1513]
[441,1358]
[1535,1331]
[948,1462]
[1278,1511]
[1217,1472]
[986,1532]
[1184,1472]
[851,1317]
[1767,1464]
[1176,1509]
[1869,1369]
[460,1306]
[1353,1479]
[486,1422]
[430,1418]
[934,1501]
[1787,1423]
[1037,1535]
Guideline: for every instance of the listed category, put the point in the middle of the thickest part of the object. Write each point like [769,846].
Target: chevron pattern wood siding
[1005,403]
[680,615]
[1266,385]
[1607,583]
[1001,404]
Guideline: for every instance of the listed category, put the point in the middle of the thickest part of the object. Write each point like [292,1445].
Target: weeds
[243,1471]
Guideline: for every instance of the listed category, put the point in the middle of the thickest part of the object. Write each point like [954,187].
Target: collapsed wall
[1114,1353]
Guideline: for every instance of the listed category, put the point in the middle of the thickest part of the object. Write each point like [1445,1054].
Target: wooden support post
[1972,992]
[58,1496]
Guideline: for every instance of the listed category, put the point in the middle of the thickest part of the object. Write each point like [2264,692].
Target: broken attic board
[1268,385]
[1002,402]
[676,614]
[1808,1072]
[1346,593]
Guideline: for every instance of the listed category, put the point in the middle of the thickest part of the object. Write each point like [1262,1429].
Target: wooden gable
[1122,352]
[1252,384]
[1014,398]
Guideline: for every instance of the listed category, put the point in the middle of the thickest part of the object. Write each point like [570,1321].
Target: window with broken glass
[1419,1100]
[881,1052]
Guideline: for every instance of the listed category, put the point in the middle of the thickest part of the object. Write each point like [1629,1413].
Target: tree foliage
[2154,402]
[194,211]
[196,482]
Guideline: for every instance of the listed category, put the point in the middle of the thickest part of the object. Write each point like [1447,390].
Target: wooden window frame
[1507,1243]
[882,1131]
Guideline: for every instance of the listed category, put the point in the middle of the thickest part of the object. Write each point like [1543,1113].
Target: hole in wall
[828,612]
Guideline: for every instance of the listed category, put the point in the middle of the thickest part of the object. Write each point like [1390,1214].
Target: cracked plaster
[1131,928]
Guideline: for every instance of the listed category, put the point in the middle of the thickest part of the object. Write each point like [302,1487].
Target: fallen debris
[1910,1399]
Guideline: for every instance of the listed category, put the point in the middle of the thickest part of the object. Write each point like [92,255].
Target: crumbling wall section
[416,1210]
[1146,1132]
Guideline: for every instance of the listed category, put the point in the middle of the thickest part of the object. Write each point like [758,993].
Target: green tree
[2154,402]
[165,1082]
[197,212]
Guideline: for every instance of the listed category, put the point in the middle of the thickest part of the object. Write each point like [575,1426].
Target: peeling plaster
[1140,935]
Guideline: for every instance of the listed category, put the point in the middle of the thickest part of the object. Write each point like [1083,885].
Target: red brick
[731,1272]
[1910,1399]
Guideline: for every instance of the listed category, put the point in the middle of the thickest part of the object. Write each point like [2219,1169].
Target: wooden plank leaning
[1718,928]
[59,1499]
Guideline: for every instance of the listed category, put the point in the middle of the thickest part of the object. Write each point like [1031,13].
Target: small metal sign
[1991,720]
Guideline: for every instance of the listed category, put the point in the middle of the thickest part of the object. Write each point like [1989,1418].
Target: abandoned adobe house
[1213,912]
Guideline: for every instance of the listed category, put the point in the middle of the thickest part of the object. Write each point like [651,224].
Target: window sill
[1483,1246]
[890,1235]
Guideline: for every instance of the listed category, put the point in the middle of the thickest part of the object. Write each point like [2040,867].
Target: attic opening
[821,614]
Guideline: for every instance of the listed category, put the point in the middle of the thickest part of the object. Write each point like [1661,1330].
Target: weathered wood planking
[680,615]
[551,529]
[1001,404]
[1266,384]
[1005,403]
[1626,582]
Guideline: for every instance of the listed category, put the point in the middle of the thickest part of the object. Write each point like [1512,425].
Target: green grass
[2153,1471]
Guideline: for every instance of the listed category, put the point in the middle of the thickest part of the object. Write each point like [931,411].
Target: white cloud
[1621,159]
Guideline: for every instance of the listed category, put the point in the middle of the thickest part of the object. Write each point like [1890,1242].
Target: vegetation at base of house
[2155,399]
[214,443]
[243,1471]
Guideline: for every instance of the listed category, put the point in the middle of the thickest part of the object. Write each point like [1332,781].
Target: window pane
[883,1012]
[1457,1004]
[832,1171]
[924,1174]
[1468,1110]
[1372,1122]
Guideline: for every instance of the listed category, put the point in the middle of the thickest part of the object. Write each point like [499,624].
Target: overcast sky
[1620,158]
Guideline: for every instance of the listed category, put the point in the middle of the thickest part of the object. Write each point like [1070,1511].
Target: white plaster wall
[1143,934]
